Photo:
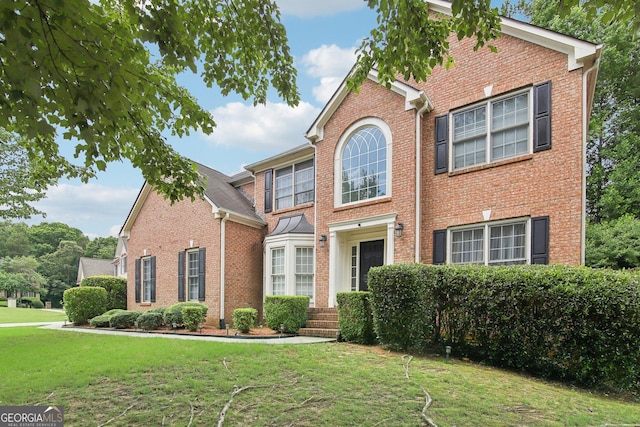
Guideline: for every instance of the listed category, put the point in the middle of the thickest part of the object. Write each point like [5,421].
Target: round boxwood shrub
[244,319]
[124,320]
[191,317]
[31,302]
[173,314]
[116,288]
[83,303]
[101,321]
[149,321]
[288,311]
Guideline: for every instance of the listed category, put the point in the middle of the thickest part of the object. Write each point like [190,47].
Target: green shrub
[113,311]
[289,311]
[3,299]
[355,317]
[149,321]
[401,306]
[101,321]
[116,288]
[173,314]
[31,302]
[572,323]
[191,317]
[244,319]
[124,319]
[83,303]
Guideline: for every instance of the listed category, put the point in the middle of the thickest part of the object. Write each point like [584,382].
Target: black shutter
[137,282]
[439,246]
[201,273]
[180,276]
[442,144]
[268,190]
[540,240]
[542,117]
[153,279]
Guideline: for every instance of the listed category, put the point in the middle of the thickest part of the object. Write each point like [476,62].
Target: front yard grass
[131,381]
[27,315]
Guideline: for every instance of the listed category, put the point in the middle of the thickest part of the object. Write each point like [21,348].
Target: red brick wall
[243,272]
[544,183]
[164,230]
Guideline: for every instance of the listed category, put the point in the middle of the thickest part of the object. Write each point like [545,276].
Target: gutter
[419,112]
[585,130]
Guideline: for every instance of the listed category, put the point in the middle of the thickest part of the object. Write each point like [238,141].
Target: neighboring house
[483,163]
[120,258]
[89,267]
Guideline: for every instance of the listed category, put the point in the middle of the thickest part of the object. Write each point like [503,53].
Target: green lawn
[26,315]
[136,381]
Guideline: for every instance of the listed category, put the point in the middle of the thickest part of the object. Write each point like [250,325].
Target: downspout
[419,113]
[222,266]
[315,220]
[585,130]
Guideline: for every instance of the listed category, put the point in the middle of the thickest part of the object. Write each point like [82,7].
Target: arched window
[364,162]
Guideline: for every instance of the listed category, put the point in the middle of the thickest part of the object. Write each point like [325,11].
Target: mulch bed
[255,333]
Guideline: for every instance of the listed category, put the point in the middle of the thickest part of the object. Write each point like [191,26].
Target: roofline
[135,210]
[414,99]
[579,52]
[236,217]
[299,152]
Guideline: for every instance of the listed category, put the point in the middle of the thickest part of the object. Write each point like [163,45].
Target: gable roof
[223,197]
[295,154]
[88,267]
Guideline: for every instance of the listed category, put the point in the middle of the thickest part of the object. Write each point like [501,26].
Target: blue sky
[323,36]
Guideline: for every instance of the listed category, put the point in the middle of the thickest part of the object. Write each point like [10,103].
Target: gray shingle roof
[89,267]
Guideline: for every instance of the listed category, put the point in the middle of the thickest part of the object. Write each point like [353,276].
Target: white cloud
[92,208]
[272,126]
[329,63]
[310,8]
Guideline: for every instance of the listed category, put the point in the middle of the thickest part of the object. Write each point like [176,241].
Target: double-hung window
[492,131]
[304,271]
[146,279]
[294,185]
[193,282]
[492,244]
[277,271]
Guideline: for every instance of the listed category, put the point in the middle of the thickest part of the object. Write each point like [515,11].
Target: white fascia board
[236,217]
[579,52]
[356,223]
[125,231]
[413,99]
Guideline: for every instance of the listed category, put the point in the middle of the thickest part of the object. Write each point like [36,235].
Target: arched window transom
[364,165]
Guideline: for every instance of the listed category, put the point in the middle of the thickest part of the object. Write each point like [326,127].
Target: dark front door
[371,255]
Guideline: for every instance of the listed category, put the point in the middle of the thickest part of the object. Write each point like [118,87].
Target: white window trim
[337,163]
[486,240]
[289,243]
[143,283]
[188,275]
[488,104]
[293,183]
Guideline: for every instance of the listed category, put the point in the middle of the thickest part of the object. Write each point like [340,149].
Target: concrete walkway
[284,340]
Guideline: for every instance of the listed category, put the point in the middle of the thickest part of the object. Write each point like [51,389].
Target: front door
[371,255]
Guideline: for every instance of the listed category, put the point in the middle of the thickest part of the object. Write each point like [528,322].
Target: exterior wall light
[399,229]
[322,240]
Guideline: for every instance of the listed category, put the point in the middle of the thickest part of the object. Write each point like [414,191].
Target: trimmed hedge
[290,311]
[124,319]
[572,323]
[355,318]
[116,288]
[83,303]
[244,319]
[173,314]
[149,320]
[31,302]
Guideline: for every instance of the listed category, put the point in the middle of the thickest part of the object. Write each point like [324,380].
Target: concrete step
[318,332]
[323,324]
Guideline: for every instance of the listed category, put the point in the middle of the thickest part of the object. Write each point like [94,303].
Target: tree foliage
[101,247]
[614,244]
[18,188]
[103,75]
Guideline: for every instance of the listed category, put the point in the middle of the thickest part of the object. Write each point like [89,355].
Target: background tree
[9,284]
[101,247]
[61,269]
[14,239]
[46,237]
[614,244]
[25,274]
[18,188]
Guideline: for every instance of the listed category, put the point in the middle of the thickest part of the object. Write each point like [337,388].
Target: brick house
[483,163]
